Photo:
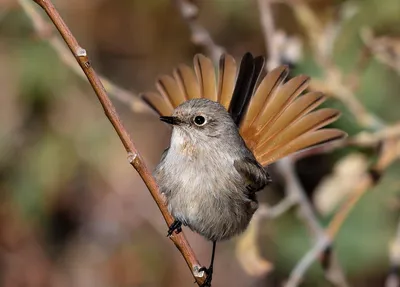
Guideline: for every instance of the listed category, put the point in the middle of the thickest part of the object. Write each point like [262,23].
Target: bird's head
[201,121]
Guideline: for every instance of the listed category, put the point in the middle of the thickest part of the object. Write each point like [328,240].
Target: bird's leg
[176,225]
[209,270]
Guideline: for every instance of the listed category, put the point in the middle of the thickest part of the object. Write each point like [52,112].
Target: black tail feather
[249,72]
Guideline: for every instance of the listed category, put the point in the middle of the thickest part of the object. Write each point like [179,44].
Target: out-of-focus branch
[268,28]
[333,82]
[334,85]
[393,279]
[363,139]
[277,210]
[134,157]
[199,35]
[295,193]
[384,49]
[390,152]
[46,32]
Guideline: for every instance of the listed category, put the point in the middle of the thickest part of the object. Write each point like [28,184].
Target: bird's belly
[214,204]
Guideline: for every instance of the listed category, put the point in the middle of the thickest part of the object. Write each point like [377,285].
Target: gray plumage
[208,175]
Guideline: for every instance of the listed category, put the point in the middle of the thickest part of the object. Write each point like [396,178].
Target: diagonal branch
[390,152]
[294,189]
[134,157]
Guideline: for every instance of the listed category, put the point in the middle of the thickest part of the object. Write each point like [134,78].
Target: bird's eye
[199,121]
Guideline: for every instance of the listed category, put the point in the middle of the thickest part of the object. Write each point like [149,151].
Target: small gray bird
[222,137]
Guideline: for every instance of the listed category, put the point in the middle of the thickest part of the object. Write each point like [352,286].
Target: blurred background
[73,212]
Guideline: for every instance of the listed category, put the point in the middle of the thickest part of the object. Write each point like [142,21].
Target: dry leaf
[248,253]
[334,188]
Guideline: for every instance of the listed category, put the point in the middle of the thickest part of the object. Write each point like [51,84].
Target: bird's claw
[175,226]
[209,273]
[206,270]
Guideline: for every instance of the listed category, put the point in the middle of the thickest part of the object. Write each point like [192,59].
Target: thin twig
[294,189]
[268,25]
[390,152]
[278,209]
[333,82]
[46,32]
[384,49]
[199,35]
[134,157]
[298,272]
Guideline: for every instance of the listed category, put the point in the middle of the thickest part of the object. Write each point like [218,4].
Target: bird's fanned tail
[249,72]
[274,119]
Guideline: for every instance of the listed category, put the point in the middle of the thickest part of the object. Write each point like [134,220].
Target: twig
[390,152]
[333,82]
[278,209]
[298,272]
[384,49]
[134,157]
[362,139]
[267,22]
[294,190]
[199,35]
[334,274]
[46,32]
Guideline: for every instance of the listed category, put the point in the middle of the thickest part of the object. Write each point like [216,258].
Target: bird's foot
[209,273]
[176,225]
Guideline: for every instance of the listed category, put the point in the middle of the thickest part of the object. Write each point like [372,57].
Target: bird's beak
[170,120]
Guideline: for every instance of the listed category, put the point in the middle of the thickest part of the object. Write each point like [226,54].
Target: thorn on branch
[132,157]
[80,52]
[196,271]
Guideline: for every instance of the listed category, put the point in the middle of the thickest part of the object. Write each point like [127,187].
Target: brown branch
[47,33]
[199,35]
[134,157]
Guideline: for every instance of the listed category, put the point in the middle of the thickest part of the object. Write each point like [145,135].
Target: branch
[134,157]
[294,190]
[333,82]
[199,35]
[46,33]
[390,152]
[268,28]
[384,49]
[393,279]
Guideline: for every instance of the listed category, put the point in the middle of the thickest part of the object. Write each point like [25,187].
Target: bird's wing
[273,117]
[255,175]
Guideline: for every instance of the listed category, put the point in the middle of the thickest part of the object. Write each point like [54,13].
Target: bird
[228,125]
